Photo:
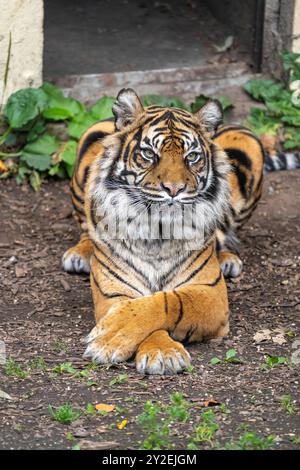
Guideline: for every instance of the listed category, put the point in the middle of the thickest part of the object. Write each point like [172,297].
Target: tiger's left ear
[127,108]
[211,115]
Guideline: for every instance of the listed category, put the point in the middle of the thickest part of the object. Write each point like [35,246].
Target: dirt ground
[45,313]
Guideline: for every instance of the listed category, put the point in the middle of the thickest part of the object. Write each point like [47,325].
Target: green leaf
[60,107]
[291,138]
[24,106]
[37,154]
[263,90]
[57,170]
[35,180]
[261,123]
[230,354]
[68,153]
[102,109]
[37,129]
[164,101]
[215,360]
[80,124]
[200,101]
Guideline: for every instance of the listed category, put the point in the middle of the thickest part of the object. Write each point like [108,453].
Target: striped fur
[153,294]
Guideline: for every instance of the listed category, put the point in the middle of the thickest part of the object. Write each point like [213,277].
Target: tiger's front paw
[160,354]
[117,335]
[230,263]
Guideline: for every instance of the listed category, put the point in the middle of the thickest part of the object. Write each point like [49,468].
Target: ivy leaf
[37,154]
[102,109]
[24,106]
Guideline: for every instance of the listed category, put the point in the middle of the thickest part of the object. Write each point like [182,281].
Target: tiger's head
[163,159]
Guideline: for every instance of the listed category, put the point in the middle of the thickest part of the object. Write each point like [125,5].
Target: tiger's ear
[211,115]
[127,108]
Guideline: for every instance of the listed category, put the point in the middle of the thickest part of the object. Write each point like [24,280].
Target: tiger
[159,194]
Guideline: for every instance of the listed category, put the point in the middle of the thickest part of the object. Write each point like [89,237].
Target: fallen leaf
[104,407]
[5,395]
[262,335]
[97,445]
[20,272]
[279,339]
[211,402]
[123,424]
[226,45]
[3,167]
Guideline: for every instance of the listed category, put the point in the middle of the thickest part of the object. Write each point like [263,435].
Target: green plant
[281,110]
[37,363]
[41,129]
[157,421]
[120,379]
[12,368]
[272,361]
[64,368]
[251,441]
[230,356]
[205,431]
[64,414]
[287,404]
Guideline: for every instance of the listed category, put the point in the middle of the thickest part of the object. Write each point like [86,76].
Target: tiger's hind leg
[77,258]
[230,262]
[160,354]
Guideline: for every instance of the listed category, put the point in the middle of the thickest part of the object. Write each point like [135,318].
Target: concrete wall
[296,27]
[22,20]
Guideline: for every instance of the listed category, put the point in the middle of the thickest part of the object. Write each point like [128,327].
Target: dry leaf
[210,402]
[5,395]
[97,445]
[20,272]
[3,167]
[104,407]
[279,339]
[123,424]
[262,335]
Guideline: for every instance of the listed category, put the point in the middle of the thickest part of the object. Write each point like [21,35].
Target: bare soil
[46,313]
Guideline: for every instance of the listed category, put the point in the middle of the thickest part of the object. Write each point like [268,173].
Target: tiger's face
[162,157]
[167,154]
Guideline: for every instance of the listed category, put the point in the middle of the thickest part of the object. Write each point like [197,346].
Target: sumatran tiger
[179,186]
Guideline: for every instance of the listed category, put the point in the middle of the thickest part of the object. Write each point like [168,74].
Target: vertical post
[21,45]
[296,28]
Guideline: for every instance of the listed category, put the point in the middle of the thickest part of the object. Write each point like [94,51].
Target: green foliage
[273,361]
[120,379]
[24,106]
[64,368]
[230,356]
[157,421]
[205,431]
[281,110]
[64,414]
[31,113]
[13,369]
[251,441]
[287,404]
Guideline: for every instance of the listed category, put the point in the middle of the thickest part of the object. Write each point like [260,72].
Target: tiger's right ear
[127,108]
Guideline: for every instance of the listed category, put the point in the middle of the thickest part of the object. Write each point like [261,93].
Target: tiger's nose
[173,189]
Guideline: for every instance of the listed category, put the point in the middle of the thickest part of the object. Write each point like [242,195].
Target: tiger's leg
[191,313]
[230,262]
[160,354]
[77,258]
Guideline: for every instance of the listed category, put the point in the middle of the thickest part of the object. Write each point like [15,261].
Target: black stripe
[213,283]
[88,141]
[196,271]
[166,303]
[76,196]
[180,309]
[239,156]
[105,294]
[117,276]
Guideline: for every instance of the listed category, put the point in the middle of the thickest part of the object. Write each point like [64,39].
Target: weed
[64,368]
[205,431]
[230,357]
[287,405]
[64,414]
[251,441]
[120,379]
[13,369]
[272,361]
[37,363]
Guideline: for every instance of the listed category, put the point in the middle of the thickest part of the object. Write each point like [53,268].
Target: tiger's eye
[148,154]
[193,157]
